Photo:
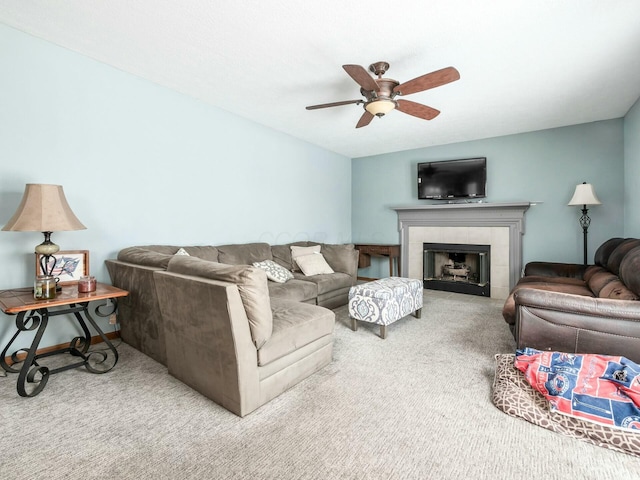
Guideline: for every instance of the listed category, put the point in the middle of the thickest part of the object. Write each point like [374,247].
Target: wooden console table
[379,250]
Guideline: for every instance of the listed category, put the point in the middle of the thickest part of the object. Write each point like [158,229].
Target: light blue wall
[543,166]
[142,164]
[632,172]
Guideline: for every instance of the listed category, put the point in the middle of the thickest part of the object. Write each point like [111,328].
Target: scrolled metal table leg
[80,344]
[22,325]
[114,308]
[99,363]
[29,375]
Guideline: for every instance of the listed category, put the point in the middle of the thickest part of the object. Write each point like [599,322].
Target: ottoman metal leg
[383,331]
[354,324]
[418,313]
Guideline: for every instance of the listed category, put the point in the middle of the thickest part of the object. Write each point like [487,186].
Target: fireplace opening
[459,268]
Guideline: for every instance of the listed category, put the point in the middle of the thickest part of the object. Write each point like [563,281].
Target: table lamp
[584,195]
[44,208]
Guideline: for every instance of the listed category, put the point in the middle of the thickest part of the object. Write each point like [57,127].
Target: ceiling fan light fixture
[380,107]
[379,93]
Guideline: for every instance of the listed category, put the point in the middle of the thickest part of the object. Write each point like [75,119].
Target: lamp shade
[584,195]
[380,107]
[43,208]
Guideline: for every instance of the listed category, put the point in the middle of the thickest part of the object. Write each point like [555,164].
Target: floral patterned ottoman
[385,301]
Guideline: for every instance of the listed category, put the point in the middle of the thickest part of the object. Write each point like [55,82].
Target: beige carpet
[414,406]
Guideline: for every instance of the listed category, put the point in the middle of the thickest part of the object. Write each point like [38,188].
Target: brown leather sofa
[581,309]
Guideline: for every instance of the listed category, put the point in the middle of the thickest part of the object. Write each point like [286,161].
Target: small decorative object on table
[44,287]
[86,284]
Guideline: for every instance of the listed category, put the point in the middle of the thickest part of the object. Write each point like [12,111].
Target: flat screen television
[450,179]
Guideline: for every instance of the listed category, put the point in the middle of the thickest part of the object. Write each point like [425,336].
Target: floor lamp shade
[584,195]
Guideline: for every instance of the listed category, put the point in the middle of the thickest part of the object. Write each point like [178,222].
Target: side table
[379,250]
[35,314]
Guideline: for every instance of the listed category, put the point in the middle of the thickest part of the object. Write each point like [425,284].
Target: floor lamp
[584,195]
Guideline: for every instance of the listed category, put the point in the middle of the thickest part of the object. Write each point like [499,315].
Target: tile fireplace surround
[499,225]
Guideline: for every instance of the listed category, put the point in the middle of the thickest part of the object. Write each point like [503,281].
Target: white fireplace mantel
[509,215]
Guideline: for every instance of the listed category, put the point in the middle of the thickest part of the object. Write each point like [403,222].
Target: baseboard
[94,340]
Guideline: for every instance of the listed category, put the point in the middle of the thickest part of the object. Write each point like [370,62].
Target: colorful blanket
[600,388]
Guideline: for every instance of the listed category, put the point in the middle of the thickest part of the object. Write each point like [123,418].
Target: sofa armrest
[551,269]
[353,265]
[548,320]
[139,313]
[208,340]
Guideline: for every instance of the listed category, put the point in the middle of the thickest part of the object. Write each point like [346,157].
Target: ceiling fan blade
[334,104]
[427,81]
[417,109]
[365,119]
[360,75]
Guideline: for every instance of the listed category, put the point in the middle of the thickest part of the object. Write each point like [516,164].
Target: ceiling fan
[380,93]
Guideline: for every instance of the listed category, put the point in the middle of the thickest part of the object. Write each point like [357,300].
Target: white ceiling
[524,65]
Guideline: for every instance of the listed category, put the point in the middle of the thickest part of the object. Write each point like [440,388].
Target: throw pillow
[313,264]
[299,251]
[182,251]
[275,272]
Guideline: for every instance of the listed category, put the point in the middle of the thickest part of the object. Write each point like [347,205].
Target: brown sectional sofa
[220,326]
[581,309]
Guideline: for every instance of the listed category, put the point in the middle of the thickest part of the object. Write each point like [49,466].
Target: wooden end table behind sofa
[366,251]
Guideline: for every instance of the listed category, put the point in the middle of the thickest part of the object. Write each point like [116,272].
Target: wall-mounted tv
[449,179]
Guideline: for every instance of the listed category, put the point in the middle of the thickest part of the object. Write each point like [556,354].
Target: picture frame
[70,266]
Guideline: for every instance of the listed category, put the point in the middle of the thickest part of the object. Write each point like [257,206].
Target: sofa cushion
[294,325]
[296,290]
[276,273]
[599,280]
[618,291]
[244,254]
[616,257]
[339,257]
[150,256]
[591,270]
[252,286]
[313,264]
[559,280]
[282,253]
[604,251]
[327,282]
[630,270]
[206,252]
[554,269]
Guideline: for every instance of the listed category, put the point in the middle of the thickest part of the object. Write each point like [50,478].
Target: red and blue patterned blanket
[600,388]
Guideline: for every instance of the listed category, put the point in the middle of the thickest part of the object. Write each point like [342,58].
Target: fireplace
[460,268]
[500,225]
